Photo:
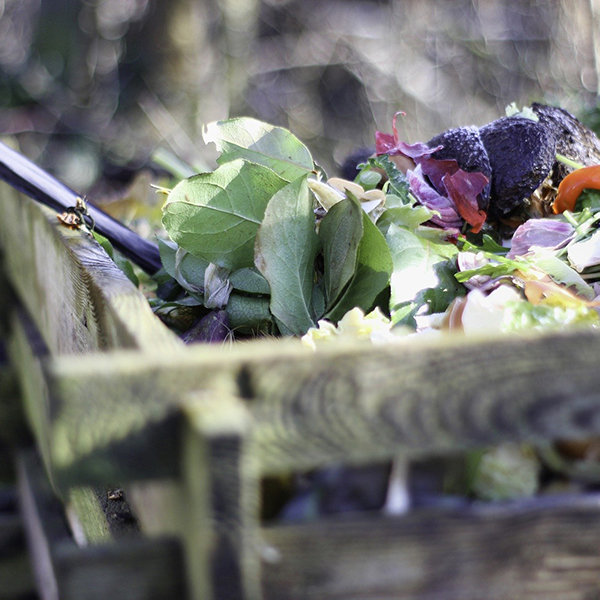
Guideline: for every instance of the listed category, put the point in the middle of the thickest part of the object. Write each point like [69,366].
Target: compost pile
[467,231]
[488,229]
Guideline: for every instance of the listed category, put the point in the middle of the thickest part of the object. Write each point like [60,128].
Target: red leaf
[463,188]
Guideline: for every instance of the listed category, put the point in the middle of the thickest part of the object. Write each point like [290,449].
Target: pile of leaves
[263,245]
[266,245]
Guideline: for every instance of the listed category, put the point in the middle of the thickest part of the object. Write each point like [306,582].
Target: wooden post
[221,483]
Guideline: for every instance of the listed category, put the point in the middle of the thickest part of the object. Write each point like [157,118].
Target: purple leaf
[431,199]
[546,233]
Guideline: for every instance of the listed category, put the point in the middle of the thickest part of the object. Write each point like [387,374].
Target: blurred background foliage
[93,87]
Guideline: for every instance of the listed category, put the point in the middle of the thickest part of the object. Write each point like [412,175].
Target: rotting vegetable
[570,188]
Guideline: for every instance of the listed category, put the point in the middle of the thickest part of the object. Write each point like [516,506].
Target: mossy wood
[113,397]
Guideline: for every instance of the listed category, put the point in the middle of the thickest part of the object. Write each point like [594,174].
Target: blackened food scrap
[464,145]
[212,328]
[522,154]
[349,168]
[573,139]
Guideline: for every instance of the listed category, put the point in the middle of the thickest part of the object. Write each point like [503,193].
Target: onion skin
[573,184]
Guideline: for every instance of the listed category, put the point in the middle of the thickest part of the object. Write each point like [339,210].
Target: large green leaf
[372,276]
[273,147]
[340,232]
[414,257]
[216,215]
[286,247]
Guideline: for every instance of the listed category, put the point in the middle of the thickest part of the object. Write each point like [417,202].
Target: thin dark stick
[33,181]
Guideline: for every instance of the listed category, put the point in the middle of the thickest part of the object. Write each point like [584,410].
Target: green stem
[568,162]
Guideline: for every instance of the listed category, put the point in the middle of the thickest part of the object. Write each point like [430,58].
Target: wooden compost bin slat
[540,550]
[77,297]
[215,419]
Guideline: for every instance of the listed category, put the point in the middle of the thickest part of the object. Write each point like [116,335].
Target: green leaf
[437,299]
[340,233]
[589,198]
[547,261]
[250,281]
[372,276]
[318,302]
[286,247]
[487,244]
[216,215]
[247,314]
[255,141]
[369,180]
[186,269]
[502,266]
[414,257]
[398,183]
[403,216]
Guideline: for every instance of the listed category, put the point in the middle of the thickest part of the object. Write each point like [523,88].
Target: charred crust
[522,154]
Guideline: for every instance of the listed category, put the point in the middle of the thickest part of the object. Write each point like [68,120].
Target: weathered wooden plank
[86,517]
[16,579]
[352,403]
[543,549]
[137,569]
[27,177]
[216,463]
[29,354]
[78,298]
[13,429]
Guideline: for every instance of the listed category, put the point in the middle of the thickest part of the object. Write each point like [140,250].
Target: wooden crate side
[220,521]
[86,518]
[78,298]
[16,579]
[540,549]
[13,429]
[138,568]
[29,356]
[352,403]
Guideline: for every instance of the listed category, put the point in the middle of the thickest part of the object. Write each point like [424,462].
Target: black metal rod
[27,177]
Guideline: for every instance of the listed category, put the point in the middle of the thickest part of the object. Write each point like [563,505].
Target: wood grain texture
[351,403]
[84,512]
[16,579]
[78,298]
[546,549]
[217,460]
[130,570]
[13,429]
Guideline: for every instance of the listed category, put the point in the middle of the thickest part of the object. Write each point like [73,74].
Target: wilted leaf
[258,142]
[186,269]
[286,247]
[216,215]
[217,287]
[213,328]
